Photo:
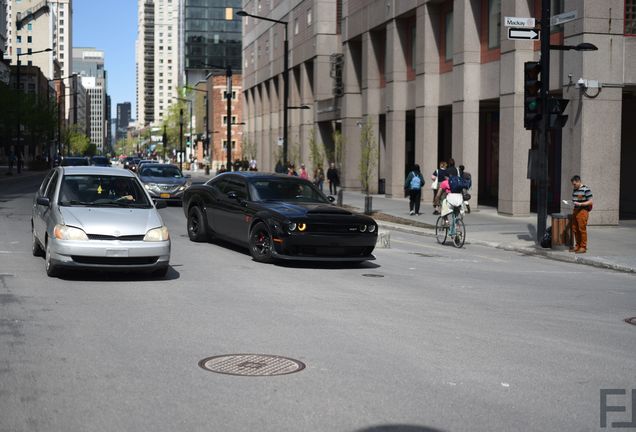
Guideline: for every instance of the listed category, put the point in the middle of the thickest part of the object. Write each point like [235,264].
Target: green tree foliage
[78,141]
[337,153]
[368,158]
[316,151]
[249,149]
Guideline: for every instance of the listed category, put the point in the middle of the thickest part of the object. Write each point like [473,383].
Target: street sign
[523,34]
[519,22]
[563,18]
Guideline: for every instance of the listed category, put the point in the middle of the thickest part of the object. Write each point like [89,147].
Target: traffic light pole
[544,129]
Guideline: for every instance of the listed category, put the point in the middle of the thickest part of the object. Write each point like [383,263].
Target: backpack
[546,241]
[416,182]
[457,183]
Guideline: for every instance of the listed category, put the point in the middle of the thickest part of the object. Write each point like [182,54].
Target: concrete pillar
[427,97]
[592,136]
[466,80]
[274,127]
[396,97]
[351,113]
[514,140]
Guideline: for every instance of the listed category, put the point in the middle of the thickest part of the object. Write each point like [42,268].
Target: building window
[309,16]
[225,144]
[630,17]
[446,37]
[295,26]
[29,26]
[18,39]
[225,120]
[494,23]
[29,39]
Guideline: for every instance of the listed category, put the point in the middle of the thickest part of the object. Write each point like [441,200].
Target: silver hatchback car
[98,218]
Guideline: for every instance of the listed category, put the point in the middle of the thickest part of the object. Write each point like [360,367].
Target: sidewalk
[612,247]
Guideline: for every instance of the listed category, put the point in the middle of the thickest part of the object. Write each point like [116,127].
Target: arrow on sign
[520,33]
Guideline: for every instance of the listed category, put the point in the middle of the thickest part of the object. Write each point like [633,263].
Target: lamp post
[206,145]
[181,139]
[190,122]
[18,144]
[285,76]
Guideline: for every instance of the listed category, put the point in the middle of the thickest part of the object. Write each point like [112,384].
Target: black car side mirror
[159,204]
[232,195]
[43,201]
[331,198]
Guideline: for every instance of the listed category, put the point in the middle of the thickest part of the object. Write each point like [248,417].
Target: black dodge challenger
[277,217]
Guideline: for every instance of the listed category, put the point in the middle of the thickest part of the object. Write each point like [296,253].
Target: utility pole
[544,127]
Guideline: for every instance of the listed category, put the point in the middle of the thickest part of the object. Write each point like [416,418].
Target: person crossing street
[413,187]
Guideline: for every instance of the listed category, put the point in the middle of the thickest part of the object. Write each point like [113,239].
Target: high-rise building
[89,64]
[123,120]
[209,39]
[62,11]
[4,68]
[158,58]
[440,79]
[145,62]
[31,27]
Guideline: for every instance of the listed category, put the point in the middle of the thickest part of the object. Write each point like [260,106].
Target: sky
[112,29]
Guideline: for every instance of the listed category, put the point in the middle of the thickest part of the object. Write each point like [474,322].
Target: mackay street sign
[563,18]
[523,34]
[519,22]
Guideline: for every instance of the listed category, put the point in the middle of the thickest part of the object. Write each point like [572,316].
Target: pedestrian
[333,178]
[291,169]
[11,161]
[303,172]
[319,177]
[280,167]
[222,169]
[582,203]
[413,187]
[466,176]
[439,175]
[452,170]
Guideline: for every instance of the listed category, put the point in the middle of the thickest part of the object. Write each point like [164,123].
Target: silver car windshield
[161,171]
[102,191]
[285,190]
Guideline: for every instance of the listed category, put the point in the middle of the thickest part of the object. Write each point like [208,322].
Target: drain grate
[251,365]
[631,320]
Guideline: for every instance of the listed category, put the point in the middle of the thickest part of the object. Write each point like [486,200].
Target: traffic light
[556,108]
[531,95]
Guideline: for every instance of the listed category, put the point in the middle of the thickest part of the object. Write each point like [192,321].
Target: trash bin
[561,231]
[381,186]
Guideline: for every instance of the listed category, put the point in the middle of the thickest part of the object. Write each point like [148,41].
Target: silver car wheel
[51,269]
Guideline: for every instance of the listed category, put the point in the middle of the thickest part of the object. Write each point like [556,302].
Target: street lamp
[228,97]
[206,145]
[18,119]
[580,47]
[285,75]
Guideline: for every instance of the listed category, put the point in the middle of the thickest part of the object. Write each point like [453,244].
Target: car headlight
[182,188]
[372,228]
[292,226]
[362,228]
[302,227]
[150,186]
[157,234]
[64,232]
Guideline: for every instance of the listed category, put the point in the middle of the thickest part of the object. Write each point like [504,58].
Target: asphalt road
[440,339]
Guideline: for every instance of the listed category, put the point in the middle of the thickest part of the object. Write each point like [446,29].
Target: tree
[316,151]
[337,154]
[249,149]
[368,157]
[78,141]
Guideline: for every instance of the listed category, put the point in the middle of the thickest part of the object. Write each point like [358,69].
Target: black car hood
[304,209]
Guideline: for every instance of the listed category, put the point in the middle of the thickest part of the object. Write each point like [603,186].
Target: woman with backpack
[413,187]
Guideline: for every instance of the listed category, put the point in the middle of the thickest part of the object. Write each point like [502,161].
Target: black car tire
[197,227]
[261,243]
[52,270]
[36,248]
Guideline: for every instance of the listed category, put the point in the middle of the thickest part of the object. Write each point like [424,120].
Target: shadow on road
[114,276]
[398,428]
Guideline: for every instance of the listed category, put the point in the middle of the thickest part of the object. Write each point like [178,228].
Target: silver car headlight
[182,188]
[157,234]
[150,186]
[65,232]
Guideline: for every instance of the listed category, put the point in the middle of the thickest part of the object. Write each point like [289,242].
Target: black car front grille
[121,238]
[322,251]
[331,228]
[122,261]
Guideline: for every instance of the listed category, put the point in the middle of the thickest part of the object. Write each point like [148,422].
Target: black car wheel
[52,270]
[197,230]
[261,243]
[36,248]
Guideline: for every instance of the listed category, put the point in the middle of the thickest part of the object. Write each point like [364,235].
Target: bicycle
[451,225]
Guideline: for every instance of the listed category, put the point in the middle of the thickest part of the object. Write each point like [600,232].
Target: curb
[556,256]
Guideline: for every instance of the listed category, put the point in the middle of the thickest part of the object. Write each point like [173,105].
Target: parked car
[74,161]
[277,217]
[98,218]
[102,161]
[164,181]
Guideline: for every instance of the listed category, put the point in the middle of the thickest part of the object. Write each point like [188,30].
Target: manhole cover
[631,320]
[372,275]
[251,365]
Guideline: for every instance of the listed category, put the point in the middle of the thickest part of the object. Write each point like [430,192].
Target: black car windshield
[74,161]
[102,191]
[152,170]
[283,189]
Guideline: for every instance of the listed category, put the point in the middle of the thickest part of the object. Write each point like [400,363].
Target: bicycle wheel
[460,233]
[441,231]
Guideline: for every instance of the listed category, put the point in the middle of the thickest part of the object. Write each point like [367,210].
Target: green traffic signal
[532,98]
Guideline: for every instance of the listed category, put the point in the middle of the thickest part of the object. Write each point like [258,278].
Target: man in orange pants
[582,202]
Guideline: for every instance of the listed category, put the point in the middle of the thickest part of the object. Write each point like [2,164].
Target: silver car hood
[111,221]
